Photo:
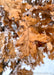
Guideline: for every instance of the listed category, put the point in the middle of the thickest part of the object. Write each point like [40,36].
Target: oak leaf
[28,37]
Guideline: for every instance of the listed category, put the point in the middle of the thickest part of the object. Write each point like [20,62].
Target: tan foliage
[49,46]
[13,8]
[2,39]
[1,67]
[29,36]
[34,33]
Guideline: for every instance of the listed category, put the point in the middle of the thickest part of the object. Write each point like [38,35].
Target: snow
[27,67]
[9,64]
[40,15]
[43,1]
[24,1]
[34,14]
[7,71]
[32,1]
[31,59]
[45,69]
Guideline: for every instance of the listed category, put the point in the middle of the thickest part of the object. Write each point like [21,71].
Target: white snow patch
[44,26]
[45,69]
[27,67]
[24,1]
[31,59]
[43,1]
[7,71]
[32,1]
[9,64]
[40,15]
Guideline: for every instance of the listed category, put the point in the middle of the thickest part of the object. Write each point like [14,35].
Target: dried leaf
[27,39]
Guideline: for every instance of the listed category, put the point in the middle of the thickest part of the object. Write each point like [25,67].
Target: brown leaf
[2,39]
[29,36]
[1,67]
[13,8]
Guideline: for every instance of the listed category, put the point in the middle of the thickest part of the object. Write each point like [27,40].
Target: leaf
[13,8]
[1,67]
[33,35]
[2,39]
[9,50]
[25,72]
[28,37]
